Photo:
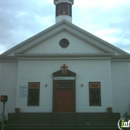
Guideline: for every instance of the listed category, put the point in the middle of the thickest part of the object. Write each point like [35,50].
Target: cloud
[21,20]
[106,19]
[103,18]
[2,48]
[106,4]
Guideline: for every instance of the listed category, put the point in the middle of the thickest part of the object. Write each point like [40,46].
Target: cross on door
[64,67]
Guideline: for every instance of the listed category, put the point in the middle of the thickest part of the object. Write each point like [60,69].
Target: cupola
[63,10]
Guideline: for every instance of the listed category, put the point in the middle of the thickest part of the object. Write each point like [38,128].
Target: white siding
[129,80]
[120,86]
[76,45]
[8,84]
[87,71]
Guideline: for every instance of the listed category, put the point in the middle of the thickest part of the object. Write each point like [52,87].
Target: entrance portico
[64,90]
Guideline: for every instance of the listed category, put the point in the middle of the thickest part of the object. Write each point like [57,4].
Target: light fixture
[81,85]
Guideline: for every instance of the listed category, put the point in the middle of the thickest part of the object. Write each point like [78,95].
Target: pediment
[68,73]
[47,42]
[52,45]
[64,72]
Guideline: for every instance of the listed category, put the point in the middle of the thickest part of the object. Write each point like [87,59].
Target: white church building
[65,69]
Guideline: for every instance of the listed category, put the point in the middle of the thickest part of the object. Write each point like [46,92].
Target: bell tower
[63,10]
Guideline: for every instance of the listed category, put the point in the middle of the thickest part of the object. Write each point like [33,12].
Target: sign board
[64,78]
[22,92]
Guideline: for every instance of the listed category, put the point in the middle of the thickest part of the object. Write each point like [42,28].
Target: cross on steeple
[64,67]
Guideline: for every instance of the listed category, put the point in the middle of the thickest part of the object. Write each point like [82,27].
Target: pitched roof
[56,28]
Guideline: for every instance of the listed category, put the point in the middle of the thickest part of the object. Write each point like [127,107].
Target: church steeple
[63,10]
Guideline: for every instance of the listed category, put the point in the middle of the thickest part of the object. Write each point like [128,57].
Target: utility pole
[3,99]
[3,117]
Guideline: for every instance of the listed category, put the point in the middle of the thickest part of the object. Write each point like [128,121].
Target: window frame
[95,88]
[29,93]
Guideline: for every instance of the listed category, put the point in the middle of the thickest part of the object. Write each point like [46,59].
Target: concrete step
[61,128]
[76,120]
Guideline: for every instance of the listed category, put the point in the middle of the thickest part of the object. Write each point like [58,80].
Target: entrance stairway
[62,121]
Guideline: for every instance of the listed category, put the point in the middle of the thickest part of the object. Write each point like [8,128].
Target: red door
[64,100]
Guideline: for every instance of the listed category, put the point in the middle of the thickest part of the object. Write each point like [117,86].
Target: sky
[107,19]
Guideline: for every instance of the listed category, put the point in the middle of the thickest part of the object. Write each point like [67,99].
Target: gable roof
[56,28]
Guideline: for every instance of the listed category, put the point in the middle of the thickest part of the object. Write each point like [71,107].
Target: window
[69,10]
[94,94]
[64,43]
[63,9]
[33,93]
[58,10]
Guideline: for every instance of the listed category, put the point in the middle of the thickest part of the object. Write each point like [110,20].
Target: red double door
[64,96]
